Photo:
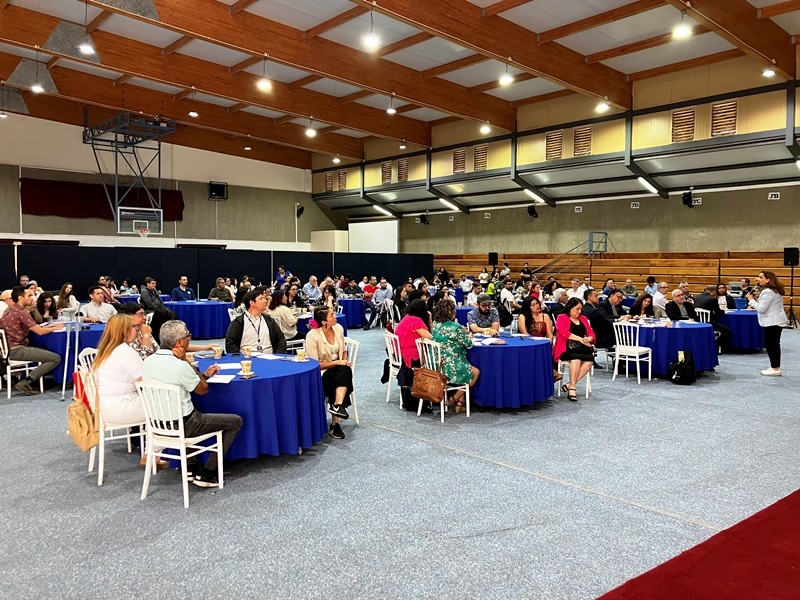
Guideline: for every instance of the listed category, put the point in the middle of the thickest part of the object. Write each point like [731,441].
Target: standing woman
[326,344]
[771,317]
[574,340]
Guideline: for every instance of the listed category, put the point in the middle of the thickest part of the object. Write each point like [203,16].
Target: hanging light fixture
[371,41]
[602,107]
[506,78]
[264,84]
[391,110]
[682,30]
[86,47]
[336,160]
[768,72]
[485,129]
[192,112]
[37,88]
[310,131]
[403,145]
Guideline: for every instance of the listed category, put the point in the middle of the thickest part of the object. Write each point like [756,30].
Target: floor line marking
[548,478]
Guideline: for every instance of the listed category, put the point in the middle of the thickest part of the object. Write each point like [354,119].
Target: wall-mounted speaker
[493,258]
[217,190]
[791,256]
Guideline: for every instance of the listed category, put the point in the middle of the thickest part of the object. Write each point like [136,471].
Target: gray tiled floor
[560,501]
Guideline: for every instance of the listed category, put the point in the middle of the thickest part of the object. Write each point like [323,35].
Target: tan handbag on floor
[428,385]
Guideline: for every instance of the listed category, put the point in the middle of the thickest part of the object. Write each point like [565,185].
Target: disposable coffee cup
[301,354]
[217,352]
[246,366]
[247,351]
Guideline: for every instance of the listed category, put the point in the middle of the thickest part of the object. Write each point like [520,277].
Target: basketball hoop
[143,232]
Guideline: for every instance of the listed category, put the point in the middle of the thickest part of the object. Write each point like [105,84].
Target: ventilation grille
[402,169]
[582,141]
[554,145]
[460,160]
[329,181]
[481,157]
[342,180]
[386,172]
[683,125]
[723,118]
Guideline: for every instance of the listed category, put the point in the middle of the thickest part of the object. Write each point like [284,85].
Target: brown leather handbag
[428,385]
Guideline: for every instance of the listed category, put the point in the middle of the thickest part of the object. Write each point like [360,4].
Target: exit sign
[774,196]
[634,205]
[578,209]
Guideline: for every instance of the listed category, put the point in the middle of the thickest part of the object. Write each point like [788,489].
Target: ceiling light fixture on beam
[86,47]
[448,204]
[602,107]
[649,186]
[371,41]
[264,84]
[682,30]
[37,88]
[310,131]
[391,110]
[534,196]
[380,209]
[486,129]
[506,78]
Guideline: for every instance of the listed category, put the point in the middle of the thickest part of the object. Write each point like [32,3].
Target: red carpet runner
[758,558]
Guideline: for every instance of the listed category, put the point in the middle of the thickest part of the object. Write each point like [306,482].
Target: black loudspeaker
[791,257]
[493,258]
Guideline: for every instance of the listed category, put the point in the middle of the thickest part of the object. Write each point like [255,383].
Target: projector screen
[378,236]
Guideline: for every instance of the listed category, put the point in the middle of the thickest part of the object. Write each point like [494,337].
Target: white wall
[31,142]
[378,237]
[329,241]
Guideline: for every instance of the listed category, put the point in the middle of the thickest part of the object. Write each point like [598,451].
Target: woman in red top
[532,321]
[414,325]
[574,340]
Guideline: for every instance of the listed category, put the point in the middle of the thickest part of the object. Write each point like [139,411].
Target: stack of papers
[492,342]
[228,366]
[222,378]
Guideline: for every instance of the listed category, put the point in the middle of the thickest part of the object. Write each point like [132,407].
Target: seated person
[150,298]
[326,344]
[708,301]
[629,289]
[415,324]
[679,309]
[128,287]
[533,321]
[45,308]
[684,287]
[280,311]
[169,365]
[472,297]
[255,329]
[643,307]
[611,308]
[383,293]
[575,290]
[293,295]
[231,285]
[108,295]
[651,287]
[17,322]
[746,287]
[484,318]
[466,284]
[5,301]
[143,343]
[660,299]
[182,293]
[328,298]
[454,343]
[724,299]
[560,297]
[66,303]
[574,339]
[222,294]
[507,297]
[609,286]
[603,329]
[97,310]
[161,316]
[551,286]
[238,302]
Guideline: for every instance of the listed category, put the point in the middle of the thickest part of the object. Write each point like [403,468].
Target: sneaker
[337,410]
[335,431]
[23,385]
[767,373]
[366,328]
[206,479]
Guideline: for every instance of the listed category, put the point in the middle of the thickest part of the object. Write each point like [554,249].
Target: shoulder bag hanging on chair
[81,423]
[428,385]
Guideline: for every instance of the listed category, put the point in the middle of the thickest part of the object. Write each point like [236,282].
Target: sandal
[565,389]
[557,376]
[572,395]
[461,406]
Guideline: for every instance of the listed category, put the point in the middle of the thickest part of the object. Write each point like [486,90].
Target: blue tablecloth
[462,312]
[459,293]
[57,342]
[741,303]
[628,302]
[206,320]
[353,309]
[666,341]
[302,323]
[746,333]
[135,298]
[283,409]
[516,374]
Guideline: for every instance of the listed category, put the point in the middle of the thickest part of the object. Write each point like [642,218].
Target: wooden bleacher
[697,268]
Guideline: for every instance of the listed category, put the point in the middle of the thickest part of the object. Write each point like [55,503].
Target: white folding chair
[148,318]
[430,354]
[292,346]
[162,407]
[339,309]
[108,431]
[231,314]
[703,315]
[86,358]
[565,363]
[352,355]
[16,366]
[628,348]
[395,361]
[515,324]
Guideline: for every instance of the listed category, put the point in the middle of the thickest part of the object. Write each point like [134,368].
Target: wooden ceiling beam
[285,119]
[122,80]
[653,42]
[413,40]
[247,62]
[24,28]
[97,21]
[502,6]
[94,90]
[493,85]
[508,42]
[736,22]
[303,81]
[688,64]
[238,107]
[3,4]
[356,96]
[542,98]
[333,23]
[621,12]
[455,65]
[184,94]
[774,10]
[256,35]
[176,45]
[325,130]
[239,6]
[53,62]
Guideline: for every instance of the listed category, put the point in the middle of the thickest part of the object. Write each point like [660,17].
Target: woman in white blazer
[772,317]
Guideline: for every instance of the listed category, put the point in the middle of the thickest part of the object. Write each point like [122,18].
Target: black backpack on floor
[682,372]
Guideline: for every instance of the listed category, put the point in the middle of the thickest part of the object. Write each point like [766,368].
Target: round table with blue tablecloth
[628,302]
[353,309]
[746,333]
[741,303]
[517,373]
[57,342]
[682,335]
[282,408]
[135,298]
[459,294]
[207,320]
[462,312]
[302,322]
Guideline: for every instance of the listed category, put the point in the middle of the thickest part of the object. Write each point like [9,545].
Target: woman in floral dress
[455,342]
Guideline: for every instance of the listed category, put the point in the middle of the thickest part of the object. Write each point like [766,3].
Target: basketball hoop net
[143,232]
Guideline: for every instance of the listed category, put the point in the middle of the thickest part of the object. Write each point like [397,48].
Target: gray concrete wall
[738,220]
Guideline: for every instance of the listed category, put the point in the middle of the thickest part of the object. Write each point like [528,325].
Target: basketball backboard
[131,219]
